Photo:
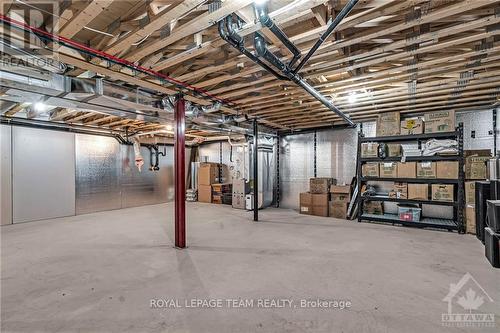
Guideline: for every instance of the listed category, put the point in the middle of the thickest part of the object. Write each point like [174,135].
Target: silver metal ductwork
[90,95]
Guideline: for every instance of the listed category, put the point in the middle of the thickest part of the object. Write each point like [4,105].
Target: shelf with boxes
[424,160]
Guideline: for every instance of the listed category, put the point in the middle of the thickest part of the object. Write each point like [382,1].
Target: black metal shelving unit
[457,223]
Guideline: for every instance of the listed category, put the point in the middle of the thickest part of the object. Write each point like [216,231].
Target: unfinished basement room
[274,166]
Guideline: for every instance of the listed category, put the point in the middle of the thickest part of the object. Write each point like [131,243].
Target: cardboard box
[388,124]
[394,150]
[222,188]
[338,209]
[205,193]
[321,185]
[440,121]
[373,207]
[470,218]
[341,193]
[418,191]
[447,170]
[412,126]
[476,167]
[477,152]
[217,199]
[305,203]
[399,191]
[470,193]
[441,192]
[208,173]
[407,170]
[388,170]
[370,169]
[369,149]
[426,170]
[320,204]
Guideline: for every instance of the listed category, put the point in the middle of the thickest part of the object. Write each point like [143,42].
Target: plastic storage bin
[409,213]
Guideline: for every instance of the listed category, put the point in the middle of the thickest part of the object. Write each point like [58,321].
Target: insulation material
[370,129]
[139,160]
[98,173]
[336,154]
[480,125]
[237,161]
[107,177]
[146,187]
[498,129]
[296,167]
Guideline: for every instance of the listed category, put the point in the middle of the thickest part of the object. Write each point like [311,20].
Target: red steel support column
[180,173]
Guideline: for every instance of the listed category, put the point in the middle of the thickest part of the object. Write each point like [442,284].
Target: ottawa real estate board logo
[465,299]
[22,44]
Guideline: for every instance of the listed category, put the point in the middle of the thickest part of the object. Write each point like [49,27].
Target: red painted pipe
[180,173]
[104,55]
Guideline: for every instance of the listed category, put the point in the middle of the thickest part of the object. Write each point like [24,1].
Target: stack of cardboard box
[389,123]
[470,207]
[207,175]
[221,193]
[475,169]
[315,202]
[341,197]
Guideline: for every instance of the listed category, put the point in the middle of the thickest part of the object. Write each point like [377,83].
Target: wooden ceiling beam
[84,17]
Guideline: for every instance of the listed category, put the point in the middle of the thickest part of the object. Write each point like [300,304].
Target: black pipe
[340,16]
[263,51]
[261,13]
[313,129]
[255,170]
[227,32]
[237,42]
[41,124]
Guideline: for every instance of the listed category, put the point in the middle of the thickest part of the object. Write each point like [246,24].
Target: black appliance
[492,247]
[482,194]
[495,189]
[493,211]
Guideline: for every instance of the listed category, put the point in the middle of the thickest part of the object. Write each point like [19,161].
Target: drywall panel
[98,173]
[5,175]
[43,164]
[146,187]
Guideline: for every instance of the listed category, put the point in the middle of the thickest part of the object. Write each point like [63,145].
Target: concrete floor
[99,272]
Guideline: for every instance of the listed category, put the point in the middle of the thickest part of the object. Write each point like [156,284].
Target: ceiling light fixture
[352,98]
[39,107]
